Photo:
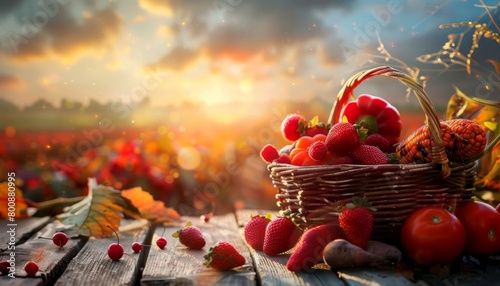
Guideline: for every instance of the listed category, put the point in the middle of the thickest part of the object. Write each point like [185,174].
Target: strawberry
[379,141]
[356,220]
[281,235]
[309,249]
[269,153]
[292,126]
[342,138]
[316,129]
[190,236]
[223,256]
[255,229]
[317,151]
[368,155]
[341,160]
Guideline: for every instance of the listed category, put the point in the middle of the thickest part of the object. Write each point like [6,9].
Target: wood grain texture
[367,276]
[23,230]
[51,259]
[92,266]
[179,265]
[6,280]
[272,271]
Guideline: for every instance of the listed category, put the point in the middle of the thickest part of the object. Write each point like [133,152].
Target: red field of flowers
[202,165]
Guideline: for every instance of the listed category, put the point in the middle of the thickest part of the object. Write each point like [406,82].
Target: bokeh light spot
[189,158]
[10,131]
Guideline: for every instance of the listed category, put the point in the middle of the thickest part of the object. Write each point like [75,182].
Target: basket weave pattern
[312,193]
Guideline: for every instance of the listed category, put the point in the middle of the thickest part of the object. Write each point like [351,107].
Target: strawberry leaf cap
[178,233]
[359,202]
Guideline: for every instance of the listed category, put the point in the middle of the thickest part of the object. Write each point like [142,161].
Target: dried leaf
[149,208]
[20,208]
[103,206]
[461,106]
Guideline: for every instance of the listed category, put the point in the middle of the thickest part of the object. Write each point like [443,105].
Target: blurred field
[194,158]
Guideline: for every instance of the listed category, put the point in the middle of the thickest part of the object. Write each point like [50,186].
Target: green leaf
[313,121]
[103,206]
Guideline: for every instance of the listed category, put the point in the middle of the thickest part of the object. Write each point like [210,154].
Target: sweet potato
[340,253]
[387,251]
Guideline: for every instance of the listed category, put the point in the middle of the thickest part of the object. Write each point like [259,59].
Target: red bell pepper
[375,114]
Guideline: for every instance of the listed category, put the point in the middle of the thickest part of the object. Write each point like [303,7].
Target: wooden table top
[85,261]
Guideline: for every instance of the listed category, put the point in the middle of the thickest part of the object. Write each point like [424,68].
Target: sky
[219,51]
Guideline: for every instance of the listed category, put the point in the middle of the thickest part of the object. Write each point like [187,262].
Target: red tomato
[432,235]
[482,226]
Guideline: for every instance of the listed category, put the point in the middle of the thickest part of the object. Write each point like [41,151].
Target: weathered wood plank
[92,266]
[372,277]
[21,229]
[6,280]
[272,271]
[51,259]
[178,265]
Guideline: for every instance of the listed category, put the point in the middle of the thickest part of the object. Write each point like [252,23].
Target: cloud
[156,7]
[177,59]
[63,33]
[11,82]
[265,29]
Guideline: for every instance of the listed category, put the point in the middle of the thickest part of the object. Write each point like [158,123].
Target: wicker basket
[311,193]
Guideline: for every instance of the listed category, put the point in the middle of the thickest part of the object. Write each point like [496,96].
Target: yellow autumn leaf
[150,208]
[103,206]
[11,194]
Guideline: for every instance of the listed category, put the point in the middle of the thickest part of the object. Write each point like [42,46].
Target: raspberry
[283,159]
[342,138]
[269,153]
[379,141]
[292,126]
[317,151]
[368,155]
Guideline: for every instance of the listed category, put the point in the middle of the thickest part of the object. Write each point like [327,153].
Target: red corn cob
[416,148]
[470,139]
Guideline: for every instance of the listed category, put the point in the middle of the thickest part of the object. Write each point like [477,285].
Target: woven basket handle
[438,152]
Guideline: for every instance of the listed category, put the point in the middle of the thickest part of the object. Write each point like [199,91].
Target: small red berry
[269,153]
[31,268]
[115,250]
[317,151]
[60,239]
[161,242]
[206,217]
[4,267]
[136,247]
